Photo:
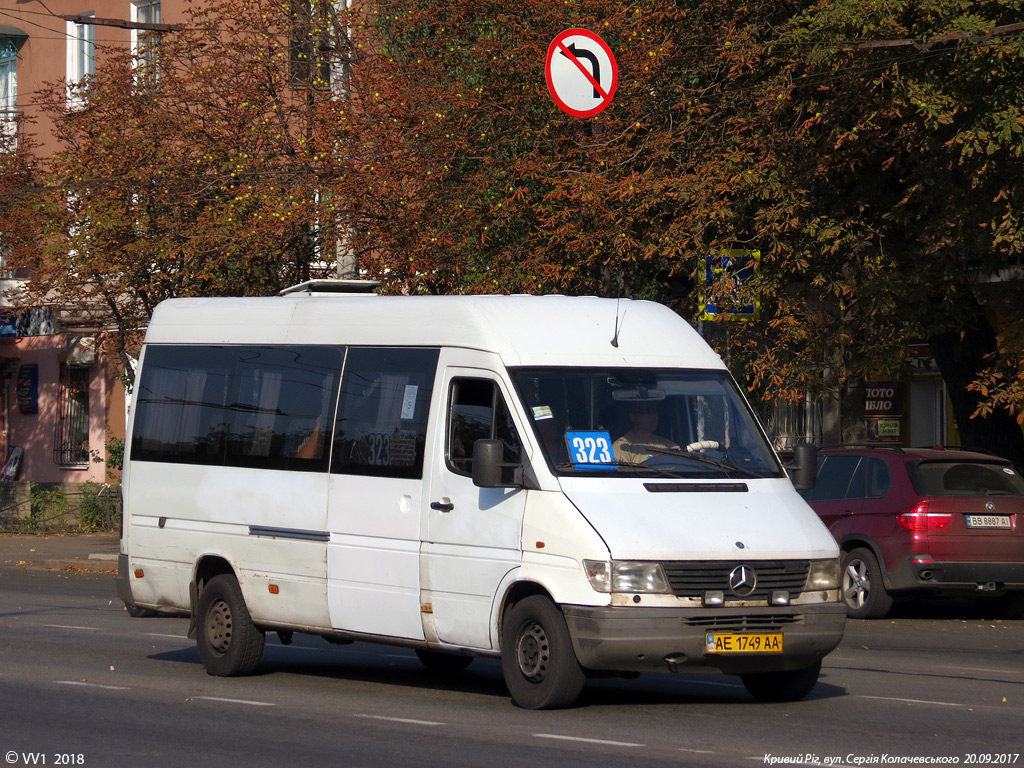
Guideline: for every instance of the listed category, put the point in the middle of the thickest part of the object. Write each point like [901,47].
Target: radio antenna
[615,338]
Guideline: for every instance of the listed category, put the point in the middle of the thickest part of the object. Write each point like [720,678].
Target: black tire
[790,685]
[139,613]
[444,663]
[540,666]
[862,588]
[229,643]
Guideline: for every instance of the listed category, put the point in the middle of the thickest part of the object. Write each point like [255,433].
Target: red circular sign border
[553,48]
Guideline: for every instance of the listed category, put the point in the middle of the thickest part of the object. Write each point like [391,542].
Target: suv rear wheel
[862,587]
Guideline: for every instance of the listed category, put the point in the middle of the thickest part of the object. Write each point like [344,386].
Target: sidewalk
[92,552]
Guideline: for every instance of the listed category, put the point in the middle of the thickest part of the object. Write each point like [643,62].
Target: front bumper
[624,639]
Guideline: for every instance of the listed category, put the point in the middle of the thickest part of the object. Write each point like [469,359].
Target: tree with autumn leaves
[195,173]
[868,150]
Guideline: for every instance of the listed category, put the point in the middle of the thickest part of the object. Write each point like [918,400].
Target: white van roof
[524,330]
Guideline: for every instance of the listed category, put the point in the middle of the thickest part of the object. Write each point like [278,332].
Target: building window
[8,88]
[81,58]
[318,44]
[71,441]
[146,42]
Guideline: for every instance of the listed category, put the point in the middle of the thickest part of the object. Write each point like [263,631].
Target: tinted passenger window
[870,481]
[477,411]
[382,416]
[259,407]
[945,478]
[834,476]
[281,407]
[877,480]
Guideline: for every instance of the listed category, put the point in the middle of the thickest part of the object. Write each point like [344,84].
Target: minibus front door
[473,535]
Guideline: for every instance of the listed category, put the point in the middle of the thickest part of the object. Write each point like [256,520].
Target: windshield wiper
[663,471]
[705,460]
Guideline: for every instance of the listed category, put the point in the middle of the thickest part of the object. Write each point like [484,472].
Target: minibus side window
[241,406]
[179,402]
[382,415]
[477,411]
[281,405]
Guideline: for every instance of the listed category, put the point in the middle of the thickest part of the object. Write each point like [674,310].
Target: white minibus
[573,484]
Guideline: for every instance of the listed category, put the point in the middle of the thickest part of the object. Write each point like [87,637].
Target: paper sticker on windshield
[590,450]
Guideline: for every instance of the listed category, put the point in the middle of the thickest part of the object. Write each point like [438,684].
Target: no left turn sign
[581,72]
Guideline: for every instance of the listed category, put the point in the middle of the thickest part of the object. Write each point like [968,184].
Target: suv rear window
[947,478]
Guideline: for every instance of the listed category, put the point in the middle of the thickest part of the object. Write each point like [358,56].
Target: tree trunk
[853,428]
[961,358]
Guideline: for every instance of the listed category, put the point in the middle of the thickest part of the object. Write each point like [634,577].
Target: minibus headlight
[626,576]
[824,574]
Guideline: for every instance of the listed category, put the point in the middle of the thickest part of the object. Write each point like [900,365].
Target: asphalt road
[82,683]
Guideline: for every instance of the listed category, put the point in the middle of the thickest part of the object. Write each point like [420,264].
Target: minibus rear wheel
[229,643]
[537,658]
[788,685]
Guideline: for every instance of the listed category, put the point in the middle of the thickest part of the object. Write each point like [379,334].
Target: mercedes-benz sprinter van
[574,485]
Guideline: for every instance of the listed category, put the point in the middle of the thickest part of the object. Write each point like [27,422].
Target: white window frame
[9,91]
[81,58]
[139,36]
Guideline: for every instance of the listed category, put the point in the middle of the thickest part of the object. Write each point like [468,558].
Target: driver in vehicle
[640,443]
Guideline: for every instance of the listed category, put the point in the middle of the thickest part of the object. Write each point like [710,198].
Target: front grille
[768,622]
[694,578]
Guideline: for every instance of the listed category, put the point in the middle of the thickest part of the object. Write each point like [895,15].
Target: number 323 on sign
[590,450]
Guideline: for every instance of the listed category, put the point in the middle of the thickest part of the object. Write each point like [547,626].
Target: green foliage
[49,510]
[100,508]
[114,451]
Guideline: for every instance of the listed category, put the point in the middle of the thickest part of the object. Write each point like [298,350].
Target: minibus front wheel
[229,643]
[537,658]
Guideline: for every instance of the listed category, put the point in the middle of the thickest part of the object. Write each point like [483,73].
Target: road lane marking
[981,669]
[398,719]
[603,742]
[70,626]
[915,701]
[248,702]
[84,684]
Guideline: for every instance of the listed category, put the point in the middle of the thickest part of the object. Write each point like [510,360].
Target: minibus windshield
[646,422]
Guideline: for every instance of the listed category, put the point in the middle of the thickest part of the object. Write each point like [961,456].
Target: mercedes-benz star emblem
[742,580]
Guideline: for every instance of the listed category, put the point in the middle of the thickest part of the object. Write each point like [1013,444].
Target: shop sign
[28,388]
[883,398]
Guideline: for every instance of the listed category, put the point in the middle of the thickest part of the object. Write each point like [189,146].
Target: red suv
[922,520]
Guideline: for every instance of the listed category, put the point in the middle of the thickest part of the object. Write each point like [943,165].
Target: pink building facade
[62,408]
[62,402]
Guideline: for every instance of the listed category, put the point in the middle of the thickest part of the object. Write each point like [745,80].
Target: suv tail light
[920,519]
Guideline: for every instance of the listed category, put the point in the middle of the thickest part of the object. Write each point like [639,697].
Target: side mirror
[805,466]
[487,463]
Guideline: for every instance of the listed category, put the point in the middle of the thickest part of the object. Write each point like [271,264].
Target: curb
[95,564]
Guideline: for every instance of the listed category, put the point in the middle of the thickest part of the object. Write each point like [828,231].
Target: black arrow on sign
[583,53]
